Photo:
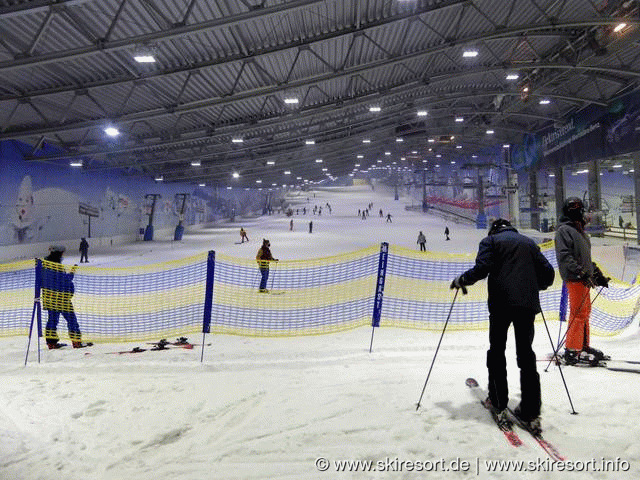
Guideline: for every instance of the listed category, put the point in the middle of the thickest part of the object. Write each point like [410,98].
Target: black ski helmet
[499,225]
[573,208]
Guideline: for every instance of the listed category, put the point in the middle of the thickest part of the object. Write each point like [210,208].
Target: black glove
[458,282]
[598,277]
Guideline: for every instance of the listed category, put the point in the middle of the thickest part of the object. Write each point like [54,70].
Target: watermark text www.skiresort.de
[475,465]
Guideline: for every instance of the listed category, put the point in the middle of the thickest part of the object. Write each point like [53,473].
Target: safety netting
[303,297]
[221,294]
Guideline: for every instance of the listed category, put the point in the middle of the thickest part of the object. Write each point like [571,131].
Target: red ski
[508,432]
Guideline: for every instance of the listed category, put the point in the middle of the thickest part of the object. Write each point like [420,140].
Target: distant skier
[446,232]
[364,216]
[291,225]
[389,218]
[243,235]
[263,257]
[381,214]
[422,241]
[84,249]
[517,270]
[310,227]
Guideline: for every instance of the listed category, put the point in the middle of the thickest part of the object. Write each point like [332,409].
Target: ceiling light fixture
[196,163]
[76,164]
[619,27]
[309,142]
[112,131]
[422,113]
[513,76]
[470,53]
[375,109]
[545,101]
[237,140]
[235,175]
[459,119]
[490,132]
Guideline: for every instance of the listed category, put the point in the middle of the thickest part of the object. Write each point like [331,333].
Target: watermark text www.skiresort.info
[476,465]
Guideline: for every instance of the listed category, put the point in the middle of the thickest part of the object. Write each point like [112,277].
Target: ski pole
[437,348]
[274,273]
[573,412]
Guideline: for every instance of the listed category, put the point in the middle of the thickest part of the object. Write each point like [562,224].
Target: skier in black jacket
[517,270]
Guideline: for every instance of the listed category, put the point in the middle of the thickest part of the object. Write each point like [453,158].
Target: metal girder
[292,145]
[404,88]
[36,6]
[175,31]
[296,43]
[270,90]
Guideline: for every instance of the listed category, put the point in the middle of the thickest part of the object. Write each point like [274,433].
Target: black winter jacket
[516,268]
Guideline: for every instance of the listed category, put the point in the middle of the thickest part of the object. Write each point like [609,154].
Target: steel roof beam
[296,43]
[269,90]
[180,30]
[328,107]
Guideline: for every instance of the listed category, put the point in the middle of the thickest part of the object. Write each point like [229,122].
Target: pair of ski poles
[573,411]
[272,275]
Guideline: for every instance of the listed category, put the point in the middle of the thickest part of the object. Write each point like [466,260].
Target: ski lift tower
[148,232]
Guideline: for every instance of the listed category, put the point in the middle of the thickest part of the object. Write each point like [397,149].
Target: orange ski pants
[579,312]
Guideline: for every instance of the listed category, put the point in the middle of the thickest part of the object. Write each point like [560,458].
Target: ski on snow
[508,432]
[628,366]
[163,344]
[511,436]
[537,436]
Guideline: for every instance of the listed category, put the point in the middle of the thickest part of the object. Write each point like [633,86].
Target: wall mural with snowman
[44,202]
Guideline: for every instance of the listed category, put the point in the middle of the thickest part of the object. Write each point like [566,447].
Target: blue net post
[564,298]
[377,303]
[208,298]
[36,314]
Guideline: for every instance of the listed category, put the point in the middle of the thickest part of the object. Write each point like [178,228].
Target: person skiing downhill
[243,235]
[517,270]
[263,257]
[422,241]
[573,251]
[446,232]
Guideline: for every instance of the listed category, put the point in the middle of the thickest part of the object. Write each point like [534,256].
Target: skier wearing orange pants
[573,252]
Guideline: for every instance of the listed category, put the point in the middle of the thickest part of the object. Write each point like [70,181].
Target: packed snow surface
[294,408]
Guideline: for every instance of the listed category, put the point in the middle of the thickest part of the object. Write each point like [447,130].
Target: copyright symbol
[322,464]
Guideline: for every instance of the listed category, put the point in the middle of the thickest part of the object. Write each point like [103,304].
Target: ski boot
[533,425]
[82,345]
[501,416]
[570,357]
[596,353]
[54,344]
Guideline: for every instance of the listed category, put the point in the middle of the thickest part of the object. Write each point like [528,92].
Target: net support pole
[36,314]
[208,299]
[377,303]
